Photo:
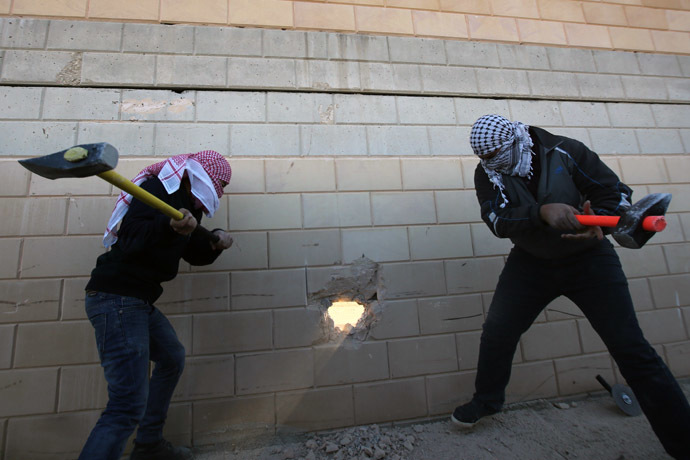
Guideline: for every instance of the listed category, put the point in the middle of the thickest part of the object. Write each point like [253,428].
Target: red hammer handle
[649,223]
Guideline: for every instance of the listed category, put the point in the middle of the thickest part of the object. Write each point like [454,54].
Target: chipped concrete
[70,75]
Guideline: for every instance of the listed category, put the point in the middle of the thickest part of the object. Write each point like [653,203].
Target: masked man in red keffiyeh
[130,331]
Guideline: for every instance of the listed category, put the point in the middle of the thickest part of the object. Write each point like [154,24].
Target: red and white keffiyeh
[208,173]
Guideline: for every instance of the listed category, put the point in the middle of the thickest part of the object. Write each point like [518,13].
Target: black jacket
[569,173]
[148,250]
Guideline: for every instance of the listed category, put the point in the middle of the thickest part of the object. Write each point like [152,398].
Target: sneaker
[469,414]
[161,450]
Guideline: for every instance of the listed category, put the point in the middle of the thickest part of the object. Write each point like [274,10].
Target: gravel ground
[590,428]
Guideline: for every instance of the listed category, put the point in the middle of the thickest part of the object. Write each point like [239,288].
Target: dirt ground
[589,428]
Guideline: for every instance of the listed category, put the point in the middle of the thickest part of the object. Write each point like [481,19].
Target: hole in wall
[345,314]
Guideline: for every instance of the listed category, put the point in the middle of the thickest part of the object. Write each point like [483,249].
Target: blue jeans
[595,282]
[129,334]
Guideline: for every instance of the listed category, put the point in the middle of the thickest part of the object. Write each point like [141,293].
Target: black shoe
[469,414]
[161,450]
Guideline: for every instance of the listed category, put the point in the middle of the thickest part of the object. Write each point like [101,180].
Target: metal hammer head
[78,161]
[629,232]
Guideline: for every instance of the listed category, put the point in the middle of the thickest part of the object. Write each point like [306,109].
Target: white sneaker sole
[463,424]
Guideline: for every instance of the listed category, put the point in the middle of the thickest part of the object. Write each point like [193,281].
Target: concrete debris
[562,405]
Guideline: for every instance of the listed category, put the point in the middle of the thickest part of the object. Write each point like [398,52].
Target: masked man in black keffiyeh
[130,331]
[530,185]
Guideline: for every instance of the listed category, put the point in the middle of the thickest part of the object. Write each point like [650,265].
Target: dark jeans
[129,334]
[595,282]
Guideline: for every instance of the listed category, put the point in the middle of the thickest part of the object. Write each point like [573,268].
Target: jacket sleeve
[199,251]
[507,221]
[596,181]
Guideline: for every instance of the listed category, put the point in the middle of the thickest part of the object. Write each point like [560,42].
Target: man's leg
[601,291]
[121,326]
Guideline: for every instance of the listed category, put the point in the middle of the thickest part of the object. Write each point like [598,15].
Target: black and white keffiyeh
[513,142]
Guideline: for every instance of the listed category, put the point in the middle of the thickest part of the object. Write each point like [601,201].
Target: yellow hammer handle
[139,193]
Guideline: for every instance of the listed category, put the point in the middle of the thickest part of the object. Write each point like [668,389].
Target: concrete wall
[341,146]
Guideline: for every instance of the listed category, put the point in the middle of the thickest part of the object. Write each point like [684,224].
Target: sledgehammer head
[629,232]
[78,161]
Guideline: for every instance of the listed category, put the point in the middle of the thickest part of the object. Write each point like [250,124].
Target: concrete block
[486,243]
[385,77]
[205,378]
[553,84]
[426,111]
[551,340]
[23,33]
[349,47]
[623,115]
[398,141]
[671,291]
[660,141]
[449,141]
[264,140]
[591,342]
[83,36]
[231,106]
[680,193]
[677,355]
[57,256]
[468,110]
[303,410]
[440,242]
[20,103]
[215,11]
[130,9]
[396,319]
[232,332]
[396,208]
[304,248]
[537,113]
[284,43]
[571,59]
[616,62]
[364,109]
[328,75]
[643,170]
[299,108]
[81,104]
[40,67]
[638,88]
[300,175]
[128,138]
[249,251]
[337,365]
[562,308]
[451,314]
[268,289]
[227,41]
[235,419]
[88,215]
[297,327]
[473,275]
[384,20]
[429,174]
[157,105]
[31,216]
[416,50]
[673,232]
[195,293]
[678,89]
[584,114]
[317,45]
[261,73]
[65,435]
[654,263]
[422,356]
[472,54]
[336,210]
[445,392]
[121,69]
[416,279]
[502,82]
[641,294]
[670,116]
[467,344]
[269,212]
[662,325]
[29,300]
[368,174]
[147,38]
[184,71]
[523,57]
[678,257]
[68,186]
[607,87]
[448,80]
[247,176]
[659,64]
[175,139]
[73,298]
[14,178]
[541,32]
[614,141]
[276,371]
[333,140]
[81,388]
[378,402]
[538,380]
[576,375]
[7,343]
[379,245]
[51,344]
[588,36]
